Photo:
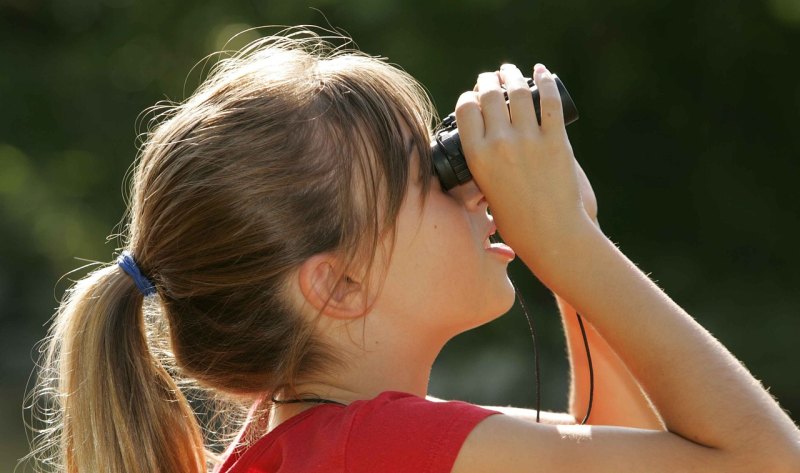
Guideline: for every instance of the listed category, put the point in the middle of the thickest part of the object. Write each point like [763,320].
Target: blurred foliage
[688,133]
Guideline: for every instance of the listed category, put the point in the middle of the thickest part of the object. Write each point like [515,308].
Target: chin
[505,300]
[504,297]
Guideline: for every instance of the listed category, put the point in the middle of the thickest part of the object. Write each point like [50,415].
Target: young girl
[289,236]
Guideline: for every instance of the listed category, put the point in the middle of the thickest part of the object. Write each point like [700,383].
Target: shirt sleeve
[400,433]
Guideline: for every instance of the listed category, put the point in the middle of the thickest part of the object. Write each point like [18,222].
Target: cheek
[450,246]
[435,258]
[436,253]
[453,253]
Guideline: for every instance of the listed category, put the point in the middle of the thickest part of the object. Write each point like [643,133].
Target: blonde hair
[290,147]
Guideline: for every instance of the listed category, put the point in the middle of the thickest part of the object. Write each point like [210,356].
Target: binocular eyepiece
[447,155]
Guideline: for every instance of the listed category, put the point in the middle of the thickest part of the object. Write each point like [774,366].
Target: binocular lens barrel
[447,155]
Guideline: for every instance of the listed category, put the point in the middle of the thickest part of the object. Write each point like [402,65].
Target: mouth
[487,242]
[501,249]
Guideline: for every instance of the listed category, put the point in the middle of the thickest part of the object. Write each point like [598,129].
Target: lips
[501,249]
[491,231]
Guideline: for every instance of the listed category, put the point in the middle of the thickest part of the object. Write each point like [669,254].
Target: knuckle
[518,93]
[550,100]
[488,79]
[467,106]
[467,99]
[490,95]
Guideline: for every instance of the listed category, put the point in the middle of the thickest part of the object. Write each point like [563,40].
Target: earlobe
[329,291]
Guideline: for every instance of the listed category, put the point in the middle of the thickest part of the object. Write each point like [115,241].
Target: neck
[376,358]
[377,365]
[382,368]
[375,361]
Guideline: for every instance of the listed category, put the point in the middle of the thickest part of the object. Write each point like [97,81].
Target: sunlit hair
[291,147]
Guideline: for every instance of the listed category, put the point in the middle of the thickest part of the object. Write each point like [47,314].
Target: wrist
[548,253]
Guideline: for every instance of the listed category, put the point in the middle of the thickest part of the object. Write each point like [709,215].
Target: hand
[527,172]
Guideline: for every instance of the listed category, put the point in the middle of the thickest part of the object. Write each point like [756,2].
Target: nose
[470,195]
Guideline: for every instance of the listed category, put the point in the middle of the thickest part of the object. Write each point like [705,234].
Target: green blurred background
[688,132]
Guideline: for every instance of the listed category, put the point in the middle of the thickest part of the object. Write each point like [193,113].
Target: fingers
[470,120]
[493,102]
[481,112]
[518,111]
[520,104]
[484,113]
[549,99]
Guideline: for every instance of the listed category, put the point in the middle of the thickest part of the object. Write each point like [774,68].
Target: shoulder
[409,409]
[402,432]
[392,433]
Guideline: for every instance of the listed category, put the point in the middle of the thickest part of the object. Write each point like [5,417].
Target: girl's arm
[528,415]
[718,418]
[618,398]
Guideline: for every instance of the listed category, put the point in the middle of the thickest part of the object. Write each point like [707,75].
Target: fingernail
[507,66]
[539,68]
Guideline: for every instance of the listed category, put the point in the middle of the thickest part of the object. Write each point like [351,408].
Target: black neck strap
[313,400]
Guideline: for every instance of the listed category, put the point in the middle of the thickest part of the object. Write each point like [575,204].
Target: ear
[328,290]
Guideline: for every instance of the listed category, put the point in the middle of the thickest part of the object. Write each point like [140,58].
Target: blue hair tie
[127,263]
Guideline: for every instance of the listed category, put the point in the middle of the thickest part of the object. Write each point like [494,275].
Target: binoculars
[447,155]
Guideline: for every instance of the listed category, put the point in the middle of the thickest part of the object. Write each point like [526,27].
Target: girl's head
[289,149]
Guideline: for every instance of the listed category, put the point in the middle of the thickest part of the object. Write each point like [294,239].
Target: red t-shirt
[393,433]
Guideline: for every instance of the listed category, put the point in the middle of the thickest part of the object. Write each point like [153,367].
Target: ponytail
[116,408]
